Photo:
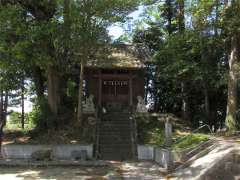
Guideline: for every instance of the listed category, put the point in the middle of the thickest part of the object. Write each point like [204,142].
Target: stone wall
[163,157]
[13,151]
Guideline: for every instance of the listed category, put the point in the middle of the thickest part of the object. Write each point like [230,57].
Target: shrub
[41,116]
[15,118]
[191,140]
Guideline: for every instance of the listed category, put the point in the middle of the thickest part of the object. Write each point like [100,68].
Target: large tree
[91,19]
[232,15]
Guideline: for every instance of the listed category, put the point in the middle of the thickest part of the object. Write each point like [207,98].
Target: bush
[15,118]
[41,115]
[191,140]
[150,130]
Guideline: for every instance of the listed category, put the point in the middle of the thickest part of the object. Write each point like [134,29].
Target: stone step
[116,157]
[124,137]
[117,113]
[125,149]
[124,133]
[115,120]
[113,124]
[116,116]
[116,126]
[114,141]
[109,142]
[114,129]
[115,136]
[112,132]
[115,144]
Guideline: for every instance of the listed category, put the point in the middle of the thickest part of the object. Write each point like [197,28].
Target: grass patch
[65,135]
[191,140]
[151,130]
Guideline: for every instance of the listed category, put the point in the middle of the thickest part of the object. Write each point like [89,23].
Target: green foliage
[180,55]
[231,18]
[191,141]
[43,34]
[150,130]
[15,121]
[47,34]
[157,136]
[195,56]
[15,118]
[41,116]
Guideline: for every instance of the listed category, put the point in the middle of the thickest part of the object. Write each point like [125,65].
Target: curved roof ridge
[121,56]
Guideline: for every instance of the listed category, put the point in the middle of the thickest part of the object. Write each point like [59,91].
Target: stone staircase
[115,139]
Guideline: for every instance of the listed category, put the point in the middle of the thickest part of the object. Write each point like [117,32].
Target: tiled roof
[121,56]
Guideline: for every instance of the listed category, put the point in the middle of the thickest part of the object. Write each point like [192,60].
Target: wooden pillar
[130,92]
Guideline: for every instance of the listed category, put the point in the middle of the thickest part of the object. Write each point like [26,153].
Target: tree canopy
[194,46]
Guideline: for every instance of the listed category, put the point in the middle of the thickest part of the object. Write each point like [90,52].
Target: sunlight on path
[116,170]
[52,173]
[140,171]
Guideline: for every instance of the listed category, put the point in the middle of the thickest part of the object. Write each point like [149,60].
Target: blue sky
[116,30]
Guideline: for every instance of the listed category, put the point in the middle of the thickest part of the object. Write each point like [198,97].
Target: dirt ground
[116,171]
[58,173]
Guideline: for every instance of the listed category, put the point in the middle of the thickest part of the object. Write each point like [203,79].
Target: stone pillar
[169,160]
[168,133]
[168,142]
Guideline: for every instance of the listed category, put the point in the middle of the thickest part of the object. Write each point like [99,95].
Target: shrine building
[118,79]
[115,83]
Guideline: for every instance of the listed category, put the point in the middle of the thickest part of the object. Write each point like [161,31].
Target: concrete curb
[30,163]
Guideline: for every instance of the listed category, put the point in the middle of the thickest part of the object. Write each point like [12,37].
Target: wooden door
[115,94]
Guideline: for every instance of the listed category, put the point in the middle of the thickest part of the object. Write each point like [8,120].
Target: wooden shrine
[117,80]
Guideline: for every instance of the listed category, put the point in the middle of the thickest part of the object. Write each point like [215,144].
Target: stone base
[15,151]
[25,162]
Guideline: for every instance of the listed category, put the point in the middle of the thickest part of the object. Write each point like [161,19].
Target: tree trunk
[39,82]
[80,93]
[23,105]
[169,16]
[181,18]
[66,17]
[231,117]
[181,28]
[207,104]
[3,117]
[53,91]
[5,107]
[216,18]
